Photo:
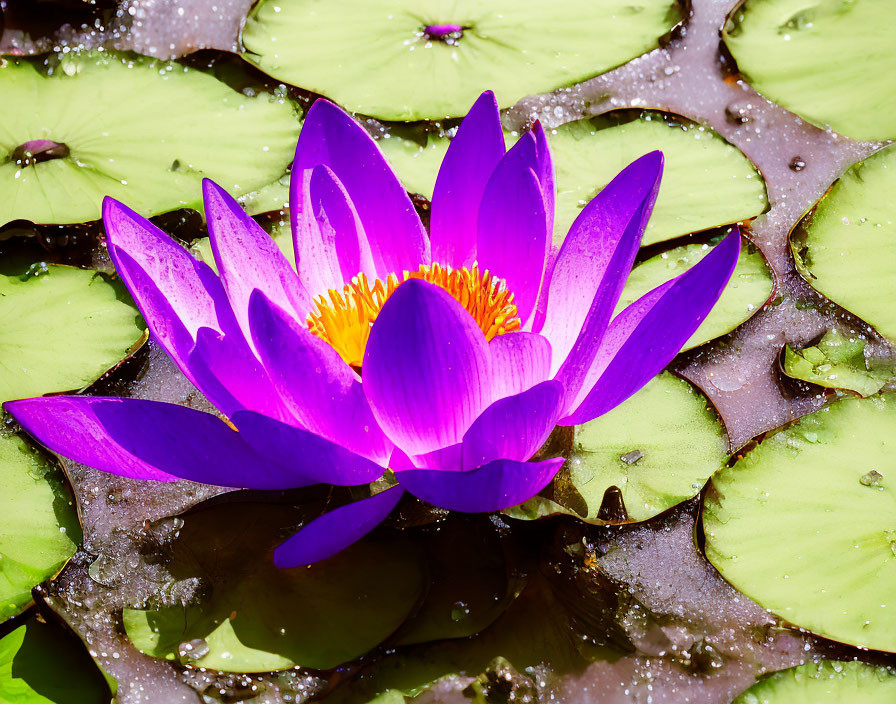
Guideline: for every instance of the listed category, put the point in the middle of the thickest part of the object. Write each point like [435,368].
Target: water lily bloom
[447,357]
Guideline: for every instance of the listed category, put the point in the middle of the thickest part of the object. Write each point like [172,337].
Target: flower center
[344,318]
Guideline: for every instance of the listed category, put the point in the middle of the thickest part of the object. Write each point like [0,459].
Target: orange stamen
[344,318]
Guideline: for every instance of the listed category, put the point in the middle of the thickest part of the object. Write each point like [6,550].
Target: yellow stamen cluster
[344,318]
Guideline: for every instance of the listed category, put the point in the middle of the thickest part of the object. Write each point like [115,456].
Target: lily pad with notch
[707,182]
[142,131]
[39,528]
[432,60]
[805,523]
[651,452]
[829,61]
[846,248]
[826,682]
[62,328]
[254,617]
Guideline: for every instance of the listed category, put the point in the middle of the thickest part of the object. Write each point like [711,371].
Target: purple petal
[316,459]
[336,530]
[654,328]
[592,266]
[472,157]
[316,386]
[427,370]
[230,376]
[494,487]
[513,236]
[330,137]
[248,259]
[520,360]
[175,293]
[149,440]
[513,428]
[545,173]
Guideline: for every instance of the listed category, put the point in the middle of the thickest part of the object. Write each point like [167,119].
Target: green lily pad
[747,291]
[374,56]
[829,61]
[836,362]
[256,617]
[825,683]
[805,524]
[61,328]
[658,448]
[42,664]
[847,247]
[142,131]
[707,182]
[39,528]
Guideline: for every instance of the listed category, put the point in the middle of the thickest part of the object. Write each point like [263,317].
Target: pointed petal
[248,259]
[545,173]
[654,328]
[512,235]
[175,293]
[592,266]
[519,361]
[427,370]
[316,459]
[149,440]
[336,530]
[513,428]
[329,136]
[472,157]
[317,387]
[494,487]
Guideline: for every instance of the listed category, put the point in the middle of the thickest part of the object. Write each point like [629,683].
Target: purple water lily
[447,357]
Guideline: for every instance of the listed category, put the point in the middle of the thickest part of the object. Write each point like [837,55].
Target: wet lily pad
[256,617]
[515,48]
[141,131]
[749,288]
[847,247]
[60,329]
[42,664]
[805,524]
[825,683]
[39,528]
[658,448]
[836,362]
[830,61]
[707,182]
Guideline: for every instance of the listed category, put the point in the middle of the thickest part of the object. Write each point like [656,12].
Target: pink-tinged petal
[494,487]
[330,137]
[319,390]
[316,261]
[651,331]
[520,360]
[512,231]
[150,440]
[336,530]
[248,259]
[156,269]
[230,376]
[427,369]
[316,459]
[472,157]
[592,267]
[545,173]
[513,428]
